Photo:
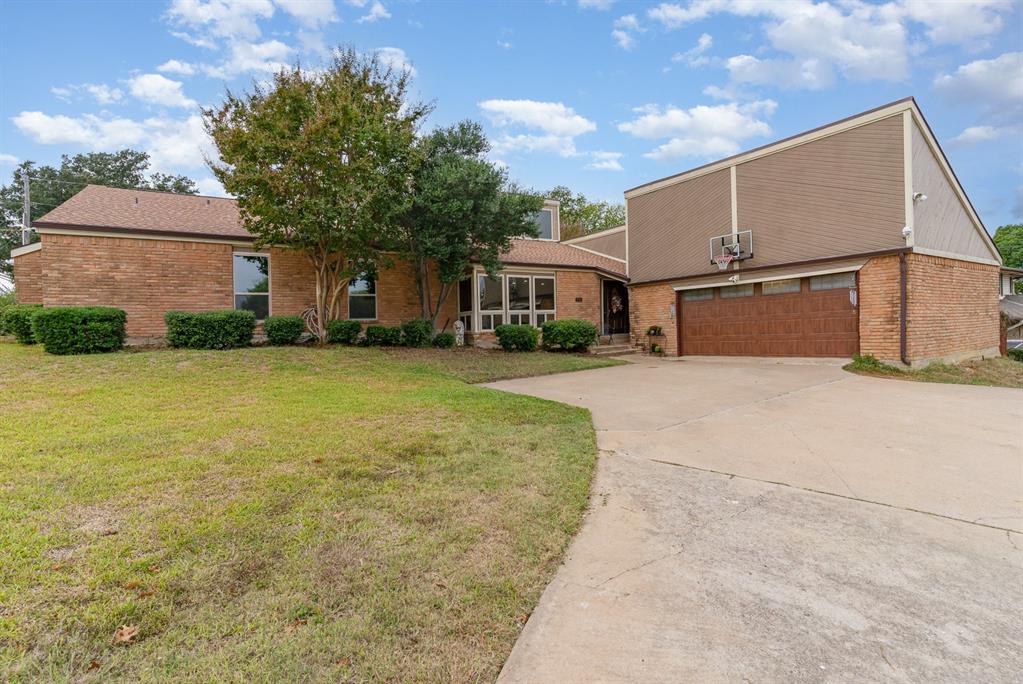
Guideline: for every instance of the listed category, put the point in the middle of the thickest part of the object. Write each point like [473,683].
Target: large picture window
[543,299]
[252,284]
[545,223]
[362,299]
[491,298]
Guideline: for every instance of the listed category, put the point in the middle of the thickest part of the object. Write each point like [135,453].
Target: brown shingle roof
[547,253]
[147,211]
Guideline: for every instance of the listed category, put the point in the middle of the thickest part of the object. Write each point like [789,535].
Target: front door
[616,308]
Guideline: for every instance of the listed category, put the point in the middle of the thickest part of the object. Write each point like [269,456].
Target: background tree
[462,209]
[580,216]
[1009,241]
[50,186]
[322,162]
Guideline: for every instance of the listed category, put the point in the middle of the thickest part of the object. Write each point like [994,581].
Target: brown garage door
[809,317]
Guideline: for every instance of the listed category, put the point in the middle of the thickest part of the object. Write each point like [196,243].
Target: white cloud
[211,187]
[177,143]
[605,161]
[175,66]
[62,93]
[980,134]
[396,59]
[197,41]
[312,13]
[157,89]
[377,11]
[266,57]
[8,159]
[103,93]
[994,82]
[701,131]
[624,29]
[624,39]
[504,44]
[596,4]
[784,73]
[694,56]
[550,117]
[89,131]
[526,142]
[233,19]
[962,22]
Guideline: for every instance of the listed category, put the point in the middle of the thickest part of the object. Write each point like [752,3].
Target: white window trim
[505,311]
[376,309]
[269,283]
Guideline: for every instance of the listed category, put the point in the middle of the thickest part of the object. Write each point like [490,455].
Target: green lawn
[278,514]
[997,372]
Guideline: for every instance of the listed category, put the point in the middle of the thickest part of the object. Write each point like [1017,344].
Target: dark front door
[616,308]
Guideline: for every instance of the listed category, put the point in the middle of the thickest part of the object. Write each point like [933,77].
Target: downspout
[903,278]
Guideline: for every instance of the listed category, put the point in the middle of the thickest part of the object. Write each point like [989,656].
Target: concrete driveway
[757,521]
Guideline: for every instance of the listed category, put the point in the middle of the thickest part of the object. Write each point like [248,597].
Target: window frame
[349,296]
[766,283]
[505,313]
[552,238]
[824,277]
[269,283]
[687,295]
[747,290]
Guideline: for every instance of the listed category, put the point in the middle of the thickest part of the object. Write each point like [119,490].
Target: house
[855,237]
[152,252]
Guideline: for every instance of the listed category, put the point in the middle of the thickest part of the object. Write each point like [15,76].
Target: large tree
[322,162]
[1009,241]
[463,210]
[49,186]
[580,216]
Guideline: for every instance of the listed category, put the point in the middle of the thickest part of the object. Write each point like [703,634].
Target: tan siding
[670,229]
[941,222]
[843,194]
[612,245]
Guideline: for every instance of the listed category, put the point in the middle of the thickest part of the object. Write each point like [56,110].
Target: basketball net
[722,260]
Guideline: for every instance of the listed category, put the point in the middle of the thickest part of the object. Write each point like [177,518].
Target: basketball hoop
[722,260]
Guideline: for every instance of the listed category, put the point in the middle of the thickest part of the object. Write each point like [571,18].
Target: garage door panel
[805,323]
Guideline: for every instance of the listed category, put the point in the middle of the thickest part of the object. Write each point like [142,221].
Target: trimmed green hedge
[79,329]
[569,334]
[517,337]
[382,336]
[18,321]
[210,329]
[444,340]
[1016,354]
[343,332]
[6,301]
[283,329]
[416,333]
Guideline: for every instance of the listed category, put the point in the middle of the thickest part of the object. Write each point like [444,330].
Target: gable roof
[148,211]
[548,253]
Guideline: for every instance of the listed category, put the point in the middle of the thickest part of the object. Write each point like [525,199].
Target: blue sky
[594,94]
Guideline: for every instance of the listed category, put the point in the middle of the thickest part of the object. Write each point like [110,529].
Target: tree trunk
[329,287]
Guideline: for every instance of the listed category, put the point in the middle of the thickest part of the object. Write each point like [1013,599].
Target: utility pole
[26,210]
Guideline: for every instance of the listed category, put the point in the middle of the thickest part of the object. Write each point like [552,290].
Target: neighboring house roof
[143,212]
[1012,307]
[147,211]
[548,253]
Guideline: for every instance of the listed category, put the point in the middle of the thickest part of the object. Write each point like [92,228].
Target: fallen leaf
[133,585]
[146,593]
[55,567]
[291,627]
[317,460]
[523,619]
[125,634]
[94,664]
[344,662]
[154,569]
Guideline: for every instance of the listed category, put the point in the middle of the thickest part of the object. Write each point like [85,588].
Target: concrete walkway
[762,521]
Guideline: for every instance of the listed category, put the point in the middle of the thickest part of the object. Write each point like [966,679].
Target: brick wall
[652,305]
[292,282]
[28,278]
[879,308]
[578,296]
[952,309]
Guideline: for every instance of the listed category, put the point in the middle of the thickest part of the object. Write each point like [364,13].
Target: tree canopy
[1009,241]
[322,162]
[50,186]
[580,216]
[463,210]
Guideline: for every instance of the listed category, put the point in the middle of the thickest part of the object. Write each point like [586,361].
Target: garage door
[796,317]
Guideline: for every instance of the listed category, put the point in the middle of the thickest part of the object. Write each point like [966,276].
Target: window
[543,299]
[733,291]
[518,300]
[252,284]
[781,286]
[545,222]
[833,281]
[491,298]
[703,294]
[465,303]
[362,299]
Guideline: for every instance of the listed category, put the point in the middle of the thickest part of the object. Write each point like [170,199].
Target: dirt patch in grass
[281,514]
[997,372]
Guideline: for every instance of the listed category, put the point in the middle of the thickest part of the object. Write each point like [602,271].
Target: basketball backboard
[738,245]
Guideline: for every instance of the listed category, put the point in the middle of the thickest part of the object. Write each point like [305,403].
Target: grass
[278,514]
[996,372]
[483,365]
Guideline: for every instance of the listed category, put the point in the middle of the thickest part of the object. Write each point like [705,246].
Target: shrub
[569,334]
[517,337]
[343,332]
[18,321]
[382,336]
[416,333]
[283,329]
[6,301]
[79,329]
[444,340]
[654,331]
[210,329]
[1016,354]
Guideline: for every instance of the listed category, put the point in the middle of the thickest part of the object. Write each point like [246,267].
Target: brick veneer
[652,305]
[582,286]
[952,310]
[28,274]
[879,308]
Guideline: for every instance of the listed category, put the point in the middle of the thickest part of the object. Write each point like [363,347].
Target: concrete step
[612,349]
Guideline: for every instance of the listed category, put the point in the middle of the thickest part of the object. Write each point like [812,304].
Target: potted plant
[656,349]
[654,331]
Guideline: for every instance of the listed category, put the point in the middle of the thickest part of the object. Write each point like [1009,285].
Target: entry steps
[613,345]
